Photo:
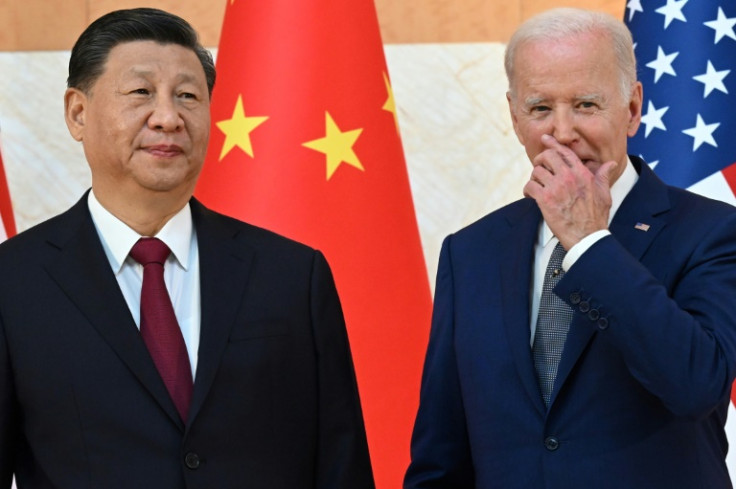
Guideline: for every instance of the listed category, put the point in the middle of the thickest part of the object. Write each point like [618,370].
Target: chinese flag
[305,142]
[7,220]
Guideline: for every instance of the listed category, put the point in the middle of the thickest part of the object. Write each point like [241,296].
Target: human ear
[635,105]
[514,118]
[75,103]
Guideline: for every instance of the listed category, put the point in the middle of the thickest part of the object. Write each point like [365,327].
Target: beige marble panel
[45,167]
[463,157]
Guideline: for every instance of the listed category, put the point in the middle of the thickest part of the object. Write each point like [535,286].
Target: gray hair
[560,23]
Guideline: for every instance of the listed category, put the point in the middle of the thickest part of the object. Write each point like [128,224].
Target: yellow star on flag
[337,146]
[390,104]
[237,130]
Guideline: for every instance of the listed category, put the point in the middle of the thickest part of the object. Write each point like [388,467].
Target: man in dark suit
[613,368]
[259,391]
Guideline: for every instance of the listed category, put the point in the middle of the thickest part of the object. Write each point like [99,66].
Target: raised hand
[575,199]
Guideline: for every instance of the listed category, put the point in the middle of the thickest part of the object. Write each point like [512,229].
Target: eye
[587,105]
[140,91]
[188,95]
[539,109]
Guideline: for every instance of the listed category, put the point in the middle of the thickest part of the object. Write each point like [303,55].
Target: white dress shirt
[546,242]
[181,271]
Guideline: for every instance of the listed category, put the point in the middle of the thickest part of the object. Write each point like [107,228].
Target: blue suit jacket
[642,391]
[82,405]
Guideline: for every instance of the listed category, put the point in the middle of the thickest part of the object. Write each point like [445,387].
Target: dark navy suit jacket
[642,390]
[275,404]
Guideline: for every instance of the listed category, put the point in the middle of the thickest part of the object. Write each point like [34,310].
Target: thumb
[604,173]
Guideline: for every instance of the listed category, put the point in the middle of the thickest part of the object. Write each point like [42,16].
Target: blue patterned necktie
[553,324]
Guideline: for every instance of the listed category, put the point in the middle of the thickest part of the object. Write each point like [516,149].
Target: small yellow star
[390,104]
[237,130]
[337,146]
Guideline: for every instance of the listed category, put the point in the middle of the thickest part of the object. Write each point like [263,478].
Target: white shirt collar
[120,238]
[619,190]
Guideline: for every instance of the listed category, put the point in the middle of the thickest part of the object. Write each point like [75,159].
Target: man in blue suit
[613,369]
[261,392]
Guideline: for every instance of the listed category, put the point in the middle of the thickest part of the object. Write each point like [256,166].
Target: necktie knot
[150,250]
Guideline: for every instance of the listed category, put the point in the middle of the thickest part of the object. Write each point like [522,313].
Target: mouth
[163,150]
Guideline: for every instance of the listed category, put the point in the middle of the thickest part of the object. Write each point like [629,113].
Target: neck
[147,214]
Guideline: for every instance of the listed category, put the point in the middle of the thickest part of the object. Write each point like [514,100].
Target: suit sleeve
[8,418]
[343,459]
[672,316]
[440,453]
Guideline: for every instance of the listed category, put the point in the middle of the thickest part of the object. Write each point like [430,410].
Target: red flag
[7,226]
[305,142]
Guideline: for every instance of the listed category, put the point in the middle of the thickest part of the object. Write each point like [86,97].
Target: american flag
[686,55]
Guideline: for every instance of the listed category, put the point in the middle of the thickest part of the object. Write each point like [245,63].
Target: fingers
[574,196]
[558,154]
[555,165]
[558,166]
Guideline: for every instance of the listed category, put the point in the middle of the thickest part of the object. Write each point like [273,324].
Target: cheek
[198,127]
[532,129]
[531,137]
[120,133]
[203,134]
[532,151]
[602,136]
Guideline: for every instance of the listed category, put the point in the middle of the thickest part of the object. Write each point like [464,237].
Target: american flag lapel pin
[642,227]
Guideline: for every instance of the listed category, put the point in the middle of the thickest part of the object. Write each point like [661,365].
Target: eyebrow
[533,101]
[593,97]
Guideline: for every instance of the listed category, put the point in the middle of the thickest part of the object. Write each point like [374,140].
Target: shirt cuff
[581,247]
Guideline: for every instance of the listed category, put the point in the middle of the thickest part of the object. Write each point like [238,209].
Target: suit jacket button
[602,323]
[575,298]
[594,314]
[551,443]
[192,460]
[584,306]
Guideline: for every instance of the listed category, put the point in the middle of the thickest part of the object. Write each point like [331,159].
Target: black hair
[91,50]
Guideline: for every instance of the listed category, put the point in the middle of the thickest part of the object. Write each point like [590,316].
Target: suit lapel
[636,224]
[516,272]
[82,270]
[225,263]
[642,214]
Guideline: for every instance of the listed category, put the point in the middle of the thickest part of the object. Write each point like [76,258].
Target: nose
[165,115]
[563,127]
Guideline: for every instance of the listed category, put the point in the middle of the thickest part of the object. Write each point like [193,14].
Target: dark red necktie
[159,328]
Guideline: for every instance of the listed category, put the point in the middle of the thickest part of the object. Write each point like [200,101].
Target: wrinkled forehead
[583,60]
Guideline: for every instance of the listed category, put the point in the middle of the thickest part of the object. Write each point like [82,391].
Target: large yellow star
[390,104]
[237,130]
[337,146]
